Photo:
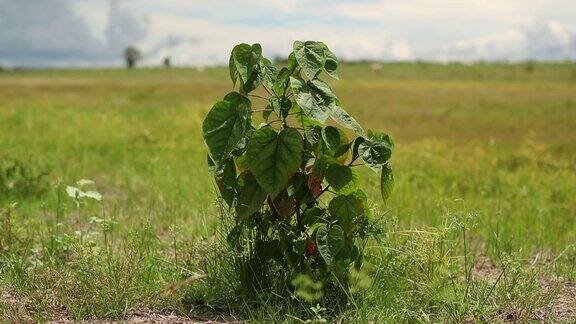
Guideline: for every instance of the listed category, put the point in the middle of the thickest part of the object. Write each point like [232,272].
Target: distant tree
[167,62]
[132,55]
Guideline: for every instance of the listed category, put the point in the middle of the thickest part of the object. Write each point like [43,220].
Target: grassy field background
[485,166]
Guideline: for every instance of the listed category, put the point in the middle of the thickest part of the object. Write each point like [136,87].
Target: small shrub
[275,175]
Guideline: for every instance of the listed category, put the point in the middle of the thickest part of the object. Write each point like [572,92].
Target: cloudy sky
[191,32]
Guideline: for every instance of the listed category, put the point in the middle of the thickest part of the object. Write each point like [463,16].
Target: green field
[481,226]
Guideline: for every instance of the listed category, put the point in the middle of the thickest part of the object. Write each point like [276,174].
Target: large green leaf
[346,209]
[250,195]
[226,181]
[314,97]
[342,178]
[310,56]
[273,157]
[343,118]
[329,241]
[376,150]
[386,182]
[245,59]
[225,126]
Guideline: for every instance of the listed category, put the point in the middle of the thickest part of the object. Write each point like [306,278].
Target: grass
[484,162]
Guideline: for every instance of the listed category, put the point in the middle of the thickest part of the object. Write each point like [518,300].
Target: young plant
[277,174]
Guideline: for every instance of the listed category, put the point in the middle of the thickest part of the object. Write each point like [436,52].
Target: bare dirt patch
[485,269]
[12,307]
[562,307]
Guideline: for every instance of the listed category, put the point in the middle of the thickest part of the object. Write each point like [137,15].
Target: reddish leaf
[311,248]
[314,183]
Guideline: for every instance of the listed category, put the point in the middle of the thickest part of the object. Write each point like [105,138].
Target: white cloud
[43,31]
[203,32]
[210,42]
[549,40]
[124,27]
[52,32]
[401,52]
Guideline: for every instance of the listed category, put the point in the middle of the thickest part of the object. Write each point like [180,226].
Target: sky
[50,33]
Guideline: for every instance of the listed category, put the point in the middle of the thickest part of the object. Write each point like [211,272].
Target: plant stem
[274,121]
[353,160]
[267,90]
[257,96]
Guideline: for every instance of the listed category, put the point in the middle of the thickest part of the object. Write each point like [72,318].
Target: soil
[561,309]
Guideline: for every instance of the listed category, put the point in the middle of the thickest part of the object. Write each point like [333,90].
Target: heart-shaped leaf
[346,209]
[225,126]
[314,97]
[244,59]
[342,178]
[310,56]
[273,157]
[376,150]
